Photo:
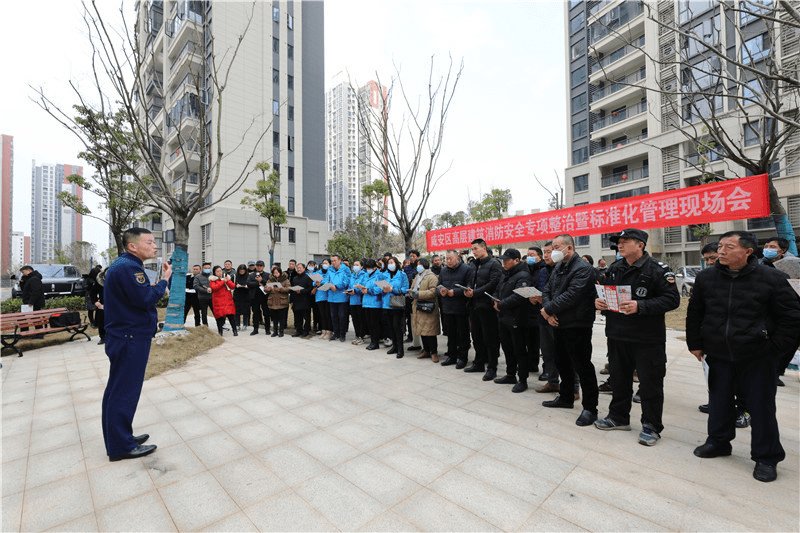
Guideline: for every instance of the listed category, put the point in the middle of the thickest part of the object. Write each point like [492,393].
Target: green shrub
[163,302]
[72,303]
[12,305]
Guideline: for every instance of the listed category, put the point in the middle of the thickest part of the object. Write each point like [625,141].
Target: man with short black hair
[192,301]
[454,309]
[741,317]
[709,253]
[203,288]
[484,276]
[258,299]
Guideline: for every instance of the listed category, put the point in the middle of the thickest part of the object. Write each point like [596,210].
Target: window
[290,143]
[578,103]
[290,171]
[580,183]
[577,50]
[577,22]
[689,9]
[701,75]
[276,108]
[580,130]
[276,78]
[290,113]
[707,32]
[292,235]
[581,155]
[756,49]
[582,240]
[276,45]
[290,205]
[276,14]
[169,235]
[699,107]
[277,234]
[290,82]
[753,9]
[753,134]
[290,51]
[578,76]
[276,139]
[290,22]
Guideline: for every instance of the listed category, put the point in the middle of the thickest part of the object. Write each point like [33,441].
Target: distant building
[6,199]
[52,225]
[17,250]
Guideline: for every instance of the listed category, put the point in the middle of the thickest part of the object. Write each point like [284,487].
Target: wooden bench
[13,324]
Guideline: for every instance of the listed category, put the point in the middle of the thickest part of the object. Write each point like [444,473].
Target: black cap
[260,263]
[511,253]
[631,233]
[251,263]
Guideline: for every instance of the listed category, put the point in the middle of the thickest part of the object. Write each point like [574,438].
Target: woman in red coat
[222,299]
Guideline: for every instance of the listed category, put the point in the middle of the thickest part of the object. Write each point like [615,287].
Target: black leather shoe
[521,386]
[449,361]
[557,402]
[474,368]
[392,350]
[709,451]
[254,332]
[506,380]
[587,418]
[140,451]
[490,374]
[400,355]
[332,338]
[141,439]
[764,472]
[461,364]
[779,382]
[297,334]
[544,376]
[101,341]
[703,408]
[414,348]
[373,347]
[409,339]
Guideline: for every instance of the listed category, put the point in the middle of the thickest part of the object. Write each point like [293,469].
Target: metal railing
[620,115]
[189,48]
[599,5]
[632,174]
[620,144]
[609,23]
[618,85]
[618,54]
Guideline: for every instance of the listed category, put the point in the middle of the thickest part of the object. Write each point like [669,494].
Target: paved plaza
[283,434]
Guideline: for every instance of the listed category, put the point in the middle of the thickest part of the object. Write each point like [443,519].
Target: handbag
[397,301]
[65,320]
[425,307]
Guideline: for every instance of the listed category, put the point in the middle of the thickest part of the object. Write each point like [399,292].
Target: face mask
[324,267]
[619,256]
[310,269]
[531,260]
[356,268]
[770,253]
[392,267]
[557,256]
[420,269]
[207,271]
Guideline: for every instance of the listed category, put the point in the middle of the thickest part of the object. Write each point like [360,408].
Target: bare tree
[126,80]
[411,177]
[738,104]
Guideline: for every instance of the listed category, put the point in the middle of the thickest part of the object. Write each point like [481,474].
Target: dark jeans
[315,323]
[242,312]
[547,345]
[194,304]
[373,317]
[100,321]
[302,321]
[517,359]
[485,336]
[756,377]
[221,322]
[339,318]
[573,348]
[430,344]
[397,328]
[457,335]
[650,360]
[357,313]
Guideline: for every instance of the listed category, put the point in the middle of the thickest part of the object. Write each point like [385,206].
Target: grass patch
[178,349]
[677,319]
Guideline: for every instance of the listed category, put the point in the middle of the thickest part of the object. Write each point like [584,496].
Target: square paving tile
[119,517]
[197,501]
[49,505]
[248,480]
[287,511]
[344,505]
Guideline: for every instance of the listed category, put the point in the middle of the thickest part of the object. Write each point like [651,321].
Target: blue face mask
[531,260]
[420,269]
[356,268]
[310,269]
[618,256]
[207,271]
[392,267]
[770,253]
[324,267]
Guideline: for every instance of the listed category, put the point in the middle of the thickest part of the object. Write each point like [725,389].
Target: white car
[684,278]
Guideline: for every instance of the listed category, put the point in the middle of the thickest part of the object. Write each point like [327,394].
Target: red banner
[714,202]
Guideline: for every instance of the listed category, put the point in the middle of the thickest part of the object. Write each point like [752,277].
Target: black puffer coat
[456,304]
[301,300]
[513,307]
[753,314]
[484,276]
[32,291]
[569,294]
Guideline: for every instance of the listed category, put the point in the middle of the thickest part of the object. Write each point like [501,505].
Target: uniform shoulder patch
[670,277]
[140,278]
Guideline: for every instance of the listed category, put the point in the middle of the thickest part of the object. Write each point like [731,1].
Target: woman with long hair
[395,312]
[241,297]
[221,299]
[356,308]
[372,302]
[278,299]
[325,321]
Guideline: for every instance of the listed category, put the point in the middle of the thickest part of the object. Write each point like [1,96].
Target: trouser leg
[651,362]
[580,350]
[398,320]
[546,344]
[758,382]
[621,364]
[563,363]
[721,409]
[255,305]
[532,345]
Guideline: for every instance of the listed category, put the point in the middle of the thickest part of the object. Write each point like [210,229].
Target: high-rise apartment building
[273,108]
[6,198]
[17,252]
[631,70]
[52,224]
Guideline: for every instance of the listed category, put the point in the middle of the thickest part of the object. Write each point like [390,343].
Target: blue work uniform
[130,320]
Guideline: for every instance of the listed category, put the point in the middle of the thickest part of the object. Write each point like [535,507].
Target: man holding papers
[635,295]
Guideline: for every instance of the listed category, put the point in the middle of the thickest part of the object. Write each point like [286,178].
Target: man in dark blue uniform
[131,320]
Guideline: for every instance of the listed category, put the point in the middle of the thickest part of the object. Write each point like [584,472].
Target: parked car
[684,278]
[57,280]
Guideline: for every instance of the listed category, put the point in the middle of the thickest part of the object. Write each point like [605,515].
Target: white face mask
[557,256]
[356,268]
[392,267]
[420,269]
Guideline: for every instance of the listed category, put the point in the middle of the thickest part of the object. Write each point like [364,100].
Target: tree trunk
[177,293]
[781,220]
[118,240]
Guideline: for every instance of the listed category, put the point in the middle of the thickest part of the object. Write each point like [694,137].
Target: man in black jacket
[568,306]
[32,291]
[454,309]
[513,311]
[484,276]
[192,301]
[742,316]
[203,289]
[637,335]
[258,300]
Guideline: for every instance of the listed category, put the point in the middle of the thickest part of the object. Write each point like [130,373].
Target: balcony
[619,144]
[184,26]
[612,29]
[626,176]
[698,160]
[623,59]
[619,115]
[598,6]
[155,83]
[623,88]
[190,53]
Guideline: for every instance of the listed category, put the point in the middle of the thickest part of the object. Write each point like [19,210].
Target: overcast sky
[507,119]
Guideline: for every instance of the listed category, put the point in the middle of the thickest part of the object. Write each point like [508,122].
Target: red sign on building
[714,202]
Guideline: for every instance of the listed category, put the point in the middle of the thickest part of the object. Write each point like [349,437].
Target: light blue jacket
[399,286]
[373,298]
[359,278]
[341,280]
[322,296]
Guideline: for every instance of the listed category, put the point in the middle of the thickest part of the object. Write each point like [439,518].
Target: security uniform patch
[670,277]
[140,278]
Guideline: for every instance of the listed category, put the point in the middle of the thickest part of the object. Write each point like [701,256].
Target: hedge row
[72,303]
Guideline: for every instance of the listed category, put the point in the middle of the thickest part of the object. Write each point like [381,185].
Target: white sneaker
[387,342]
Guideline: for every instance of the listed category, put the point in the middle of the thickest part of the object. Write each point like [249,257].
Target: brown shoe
[435,357]
[547,387]
[577,395]
[423,355]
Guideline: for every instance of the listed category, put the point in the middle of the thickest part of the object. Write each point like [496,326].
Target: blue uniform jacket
[399,286]
[357,278]
[321,296]
[130,301]
[341,280]
[373,298]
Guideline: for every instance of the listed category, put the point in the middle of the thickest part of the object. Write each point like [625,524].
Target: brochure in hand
[326,287]
[315,277]
[528,292]
[614,295]
[383,284]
